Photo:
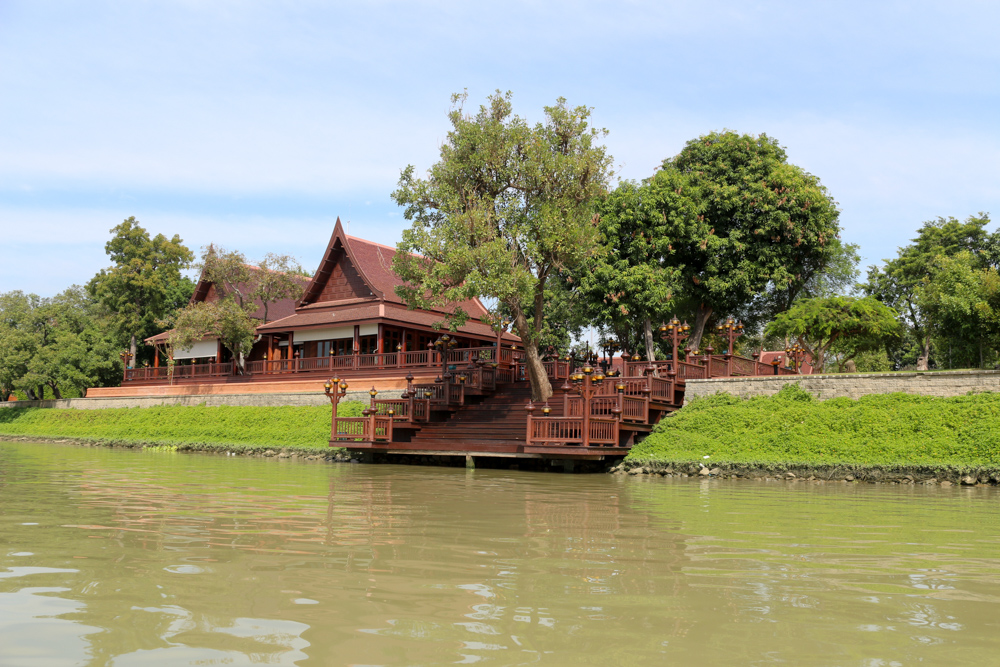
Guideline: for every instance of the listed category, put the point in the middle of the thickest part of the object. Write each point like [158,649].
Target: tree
[635,279]
[274,278]
[506,208]
[751,223]
[854,325]
[242,290]
[961,300]
[60,344]
[141,286]
[17,339]
[900,282]
[224,319]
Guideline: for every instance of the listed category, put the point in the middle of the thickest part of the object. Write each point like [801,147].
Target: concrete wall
[943,383]
[265,400]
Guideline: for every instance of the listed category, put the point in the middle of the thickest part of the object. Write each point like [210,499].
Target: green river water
[111,557]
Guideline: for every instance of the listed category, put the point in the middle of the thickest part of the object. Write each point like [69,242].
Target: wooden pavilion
[348,320]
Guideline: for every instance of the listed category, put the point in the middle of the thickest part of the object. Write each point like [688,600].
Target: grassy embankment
[222,428]
[878,436]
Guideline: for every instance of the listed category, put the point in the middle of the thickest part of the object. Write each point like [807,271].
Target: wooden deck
[485,409]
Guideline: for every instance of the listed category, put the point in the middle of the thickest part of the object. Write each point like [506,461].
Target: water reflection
[121,558]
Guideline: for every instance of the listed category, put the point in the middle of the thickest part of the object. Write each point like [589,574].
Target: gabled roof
[373,263]
[204,291]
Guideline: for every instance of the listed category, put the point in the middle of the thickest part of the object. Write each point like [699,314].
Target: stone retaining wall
[263,400]
[856,385]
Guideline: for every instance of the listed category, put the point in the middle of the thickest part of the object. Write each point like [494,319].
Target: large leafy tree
[242,289]
[635,279]
[961,298]
[274,278]
[224,319]
[850,324]
[902,282]
[57,345]
[144,284]
[752,224]
[506,208]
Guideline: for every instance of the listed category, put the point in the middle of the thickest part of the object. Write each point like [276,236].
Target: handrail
[568,431]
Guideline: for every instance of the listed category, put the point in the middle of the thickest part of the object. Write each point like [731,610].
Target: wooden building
[348,320]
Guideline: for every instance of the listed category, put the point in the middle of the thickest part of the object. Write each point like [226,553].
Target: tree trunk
[55,391]
[698,328]
[647,331]
[541,388]
[925,355]
[132,349]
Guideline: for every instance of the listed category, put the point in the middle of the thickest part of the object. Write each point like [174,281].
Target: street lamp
[730,330]
[675,332]
[795,354]
[335,389]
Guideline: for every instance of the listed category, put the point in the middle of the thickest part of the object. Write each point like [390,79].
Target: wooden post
[357,344]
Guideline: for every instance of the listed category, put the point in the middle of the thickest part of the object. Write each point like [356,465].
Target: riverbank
[237,429]
[898,438]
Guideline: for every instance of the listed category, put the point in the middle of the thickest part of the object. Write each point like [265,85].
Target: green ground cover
[795,428]
[239,427]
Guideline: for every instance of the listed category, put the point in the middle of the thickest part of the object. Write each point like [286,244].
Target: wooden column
[156,357]
[381,337]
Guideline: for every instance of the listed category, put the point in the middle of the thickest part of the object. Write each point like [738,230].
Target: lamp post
[675,332]
[730,330]
[795,354]
[126,357]
[335,389]
[444,343]
[587,385]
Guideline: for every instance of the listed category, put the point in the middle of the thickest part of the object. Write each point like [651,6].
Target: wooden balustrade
[374,428]
[688,371]
[718,366]
[405,409]
[568,431]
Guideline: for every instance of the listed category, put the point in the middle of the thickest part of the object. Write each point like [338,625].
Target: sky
[254,125]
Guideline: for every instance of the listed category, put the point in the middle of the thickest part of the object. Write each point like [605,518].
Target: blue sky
[256,124]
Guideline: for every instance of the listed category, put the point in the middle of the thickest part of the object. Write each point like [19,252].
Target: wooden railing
[568,431]
[180,373]
[640,368]
[686,371]
[373,428]
[557,370]
[146,374]
[405,409]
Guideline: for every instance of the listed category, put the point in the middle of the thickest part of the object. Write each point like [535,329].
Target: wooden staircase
[494,421]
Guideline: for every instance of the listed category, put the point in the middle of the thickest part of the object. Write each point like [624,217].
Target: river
[113,557]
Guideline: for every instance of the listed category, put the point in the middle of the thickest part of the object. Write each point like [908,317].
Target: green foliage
[634,280]
[851,324]
[911,283]
[506,208]
[793,427]
[144,283]
[752,228]
[180,425]
[52,346]
[242,290]
[224,319]
[872,361]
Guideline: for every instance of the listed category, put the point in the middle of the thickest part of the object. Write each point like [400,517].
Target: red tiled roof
[276,310]
[357,312]
[374,262]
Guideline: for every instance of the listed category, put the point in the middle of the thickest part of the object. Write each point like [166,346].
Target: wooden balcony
[475,362]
